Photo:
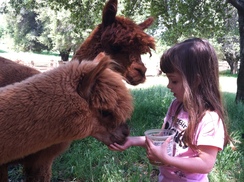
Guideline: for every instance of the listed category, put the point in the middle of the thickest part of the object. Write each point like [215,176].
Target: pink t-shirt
[210,132]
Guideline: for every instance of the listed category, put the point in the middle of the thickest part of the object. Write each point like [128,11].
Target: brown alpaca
[11,72]
[119,37]
[67,103]
[123,40]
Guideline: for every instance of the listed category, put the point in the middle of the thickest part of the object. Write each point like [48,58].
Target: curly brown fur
[123,40]
[58,106]
[11,72]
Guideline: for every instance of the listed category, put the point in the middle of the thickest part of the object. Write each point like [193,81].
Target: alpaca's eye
[115,48]
[105,113]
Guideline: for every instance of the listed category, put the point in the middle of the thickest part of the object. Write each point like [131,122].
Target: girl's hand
[117,147]
[157,153]
[131,141]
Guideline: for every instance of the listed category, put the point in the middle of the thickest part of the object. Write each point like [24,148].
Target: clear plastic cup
[158,136]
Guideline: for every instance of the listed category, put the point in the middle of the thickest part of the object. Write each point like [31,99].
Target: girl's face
[176,85]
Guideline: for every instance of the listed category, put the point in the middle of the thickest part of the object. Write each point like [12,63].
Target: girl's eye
[173,81]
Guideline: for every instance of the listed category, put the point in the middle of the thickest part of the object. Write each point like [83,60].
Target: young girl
[196,114]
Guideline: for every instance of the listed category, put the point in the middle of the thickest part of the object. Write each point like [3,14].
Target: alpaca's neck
[90,48]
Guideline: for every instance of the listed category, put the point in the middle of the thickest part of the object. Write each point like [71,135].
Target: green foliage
[59,29]
[24,27]
[66,24]
[84,14]
[189,18]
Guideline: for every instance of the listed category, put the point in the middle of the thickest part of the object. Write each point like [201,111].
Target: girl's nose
[168,86]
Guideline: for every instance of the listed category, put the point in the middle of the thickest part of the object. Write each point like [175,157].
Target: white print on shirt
[179,127]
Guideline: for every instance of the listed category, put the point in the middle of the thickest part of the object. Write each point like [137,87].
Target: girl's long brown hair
[196,61]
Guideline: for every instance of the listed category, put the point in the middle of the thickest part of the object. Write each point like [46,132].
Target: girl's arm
[201,164]
[131,141]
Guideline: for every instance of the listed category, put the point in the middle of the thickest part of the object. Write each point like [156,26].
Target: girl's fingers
[148,142]
[168,139]
[114,147]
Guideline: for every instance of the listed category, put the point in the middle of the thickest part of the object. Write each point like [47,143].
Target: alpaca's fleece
[11,72]
[68,103]
[122,39]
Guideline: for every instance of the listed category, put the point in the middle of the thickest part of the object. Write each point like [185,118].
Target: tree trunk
[64,54]
[240,78]
[235,67]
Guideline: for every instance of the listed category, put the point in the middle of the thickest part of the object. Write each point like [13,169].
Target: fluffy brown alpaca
[123,40]
[119,37]
[11,72]
[67,103]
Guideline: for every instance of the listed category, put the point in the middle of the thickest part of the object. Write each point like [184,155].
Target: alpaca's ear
[147,23]
[109,12]
[88,80]
[99,57]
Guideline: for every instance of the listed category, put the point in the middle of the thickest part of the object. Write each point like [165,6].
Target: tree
[239,5]
[25,29]
[65,24]
[231,51]
[179,19]
[60,30]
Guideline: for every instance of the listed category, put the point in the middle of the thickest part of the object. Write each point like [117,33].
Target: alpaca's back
[12,72]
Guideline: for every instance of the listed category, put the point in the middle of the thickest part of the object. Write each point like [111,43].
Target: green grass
[88,160]
[228,74]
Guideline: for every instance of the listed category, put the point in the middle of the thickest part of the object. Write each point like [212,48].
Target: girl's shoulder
[211,116]
[211,119]
[210,130]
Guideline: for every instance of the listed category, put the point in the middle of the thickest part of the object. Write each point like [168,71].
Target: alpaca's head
[109,100]
[122,39]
